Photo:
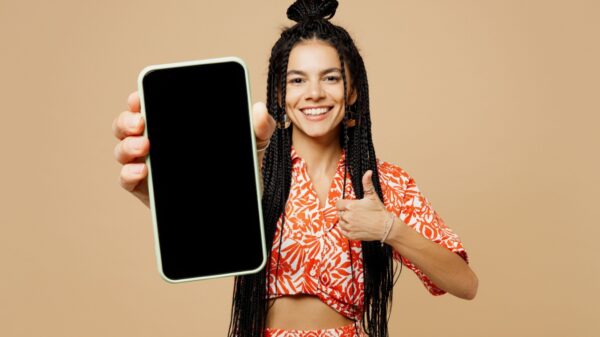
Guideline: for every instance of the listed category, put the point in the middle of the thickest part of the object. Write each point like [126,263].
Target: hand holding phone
[133,147]
[193,114]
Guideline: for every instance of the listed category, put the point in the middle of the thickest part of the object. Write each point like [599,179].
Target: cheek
[292,97]
[337,93]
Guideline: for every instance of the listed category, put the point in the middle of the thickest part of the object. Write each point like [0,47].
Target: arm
[445,268]
[419,238]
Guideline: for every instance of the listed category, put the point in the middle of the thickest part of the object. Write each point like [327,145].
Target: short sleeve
[417,213]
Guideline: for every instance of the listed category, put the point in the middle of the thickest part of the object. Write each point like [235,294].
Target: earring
[286,122]
[350,120]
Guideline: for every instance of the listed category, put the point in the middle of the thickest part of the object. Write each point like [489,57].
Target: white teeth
[314,112]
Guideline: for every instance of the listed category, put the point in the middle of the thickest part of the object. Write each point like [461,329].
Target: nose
[315,90]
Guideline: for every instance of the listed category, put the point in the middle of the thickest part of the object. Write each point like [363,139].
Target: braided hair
[250,294]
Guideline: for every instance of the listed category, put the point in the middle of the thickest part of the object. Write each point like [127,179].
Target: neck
[321,154]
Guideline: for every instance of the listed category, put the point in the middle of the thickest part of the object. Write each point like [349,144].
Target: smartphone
[203,176]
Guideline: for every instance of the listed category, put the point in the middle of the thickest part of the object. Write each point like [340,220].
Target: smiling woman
[332,276]
[337,218]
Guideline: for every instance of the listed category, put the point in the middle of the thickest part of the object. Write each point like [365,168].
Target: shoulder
[394,181]
[392,175]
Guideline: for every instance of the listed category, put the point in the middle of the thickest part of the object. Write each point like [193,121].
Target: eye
[332,78]
[296,80]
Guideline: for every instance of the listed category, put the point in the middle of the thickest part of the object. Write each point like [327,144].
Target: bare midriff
[303,312]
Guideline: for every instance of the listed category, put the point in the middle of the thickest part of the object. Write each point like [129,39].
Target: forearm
[444,268]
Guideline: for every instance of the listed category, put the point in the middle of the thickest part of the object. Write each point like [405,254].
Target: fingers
[264,123]
[344,204]
[132,174]
[345,231]
[343,222]
[131,148]
[368,187]
[133,101]
[131,122]
[369,191]
[128,124]
[341,215]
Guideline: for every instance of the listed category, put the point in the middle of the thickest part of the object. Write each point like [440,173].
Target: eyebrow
[299,72]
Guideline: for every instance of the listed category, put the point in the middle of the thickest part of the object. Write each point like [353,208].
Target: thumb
[264,123]
[368,187]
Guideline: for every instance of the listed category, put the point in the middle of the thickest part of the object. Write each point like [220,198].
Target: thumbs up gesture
[364,219]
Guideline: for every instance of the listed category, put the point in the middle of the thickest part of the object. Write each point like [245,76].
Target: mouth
[316,111]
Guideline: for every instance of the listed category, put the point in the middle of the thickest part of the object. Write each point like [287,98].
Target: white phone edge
[141,76]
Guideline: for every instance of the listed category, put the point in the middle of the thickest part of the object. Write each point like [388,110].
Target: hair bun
[305,10]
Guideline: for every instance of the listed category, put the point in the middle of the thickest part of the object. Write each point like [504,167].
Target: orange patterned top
[315,255]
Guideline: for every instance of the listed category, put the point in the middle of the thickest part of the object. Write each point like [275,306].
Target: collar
[296,157]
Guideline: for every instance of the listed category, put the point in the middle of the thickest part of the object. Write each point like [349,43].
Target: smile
[316,111]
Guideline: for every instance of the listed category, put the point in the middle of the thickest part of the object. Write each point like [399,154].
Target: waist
[303,312]
[350,330]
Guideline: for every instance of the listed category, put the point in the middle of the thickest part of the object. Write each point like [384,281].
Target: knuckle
[118,152]
[128,180]
[129,148]
[124,180]
[125,154]
[120,128]
[133,146]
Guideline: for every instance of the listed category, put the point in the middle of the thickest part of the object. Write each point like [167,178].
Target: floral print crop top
[315,255]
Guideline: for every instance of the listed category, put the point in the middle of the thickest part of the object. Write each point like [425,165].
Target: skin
[365,220]
[132,148]
[317,143]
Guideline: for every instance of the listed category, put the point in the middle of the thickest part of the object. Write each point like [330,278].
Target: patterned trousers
[344,331]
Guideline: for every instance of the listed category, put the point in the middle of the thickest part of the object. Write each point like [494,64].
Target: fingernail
[133,121]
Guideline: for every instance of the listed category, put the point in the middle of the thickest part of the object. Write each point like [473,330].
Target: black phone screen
[203,174]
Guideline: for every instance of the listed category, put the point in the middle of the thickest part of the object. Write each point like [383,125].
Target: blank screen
[203,173]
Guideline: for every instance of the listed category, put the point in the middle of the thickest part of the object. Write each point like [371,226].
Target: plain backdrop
[492,106]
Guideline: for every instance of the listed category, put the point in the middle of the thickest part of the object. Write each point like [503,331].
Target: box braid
[250,294]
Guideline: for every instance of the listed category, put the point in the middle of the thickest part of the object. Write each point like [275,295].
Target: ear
[353,96]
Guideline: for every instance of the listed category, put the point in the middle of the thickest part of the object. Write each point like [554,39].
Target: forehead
[313,56]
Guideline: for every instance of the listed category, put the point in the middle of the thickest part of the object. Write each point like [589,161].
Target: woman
[348,215]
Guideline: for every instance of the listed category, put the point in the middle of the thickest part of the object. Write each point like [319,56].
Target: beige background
[492,106]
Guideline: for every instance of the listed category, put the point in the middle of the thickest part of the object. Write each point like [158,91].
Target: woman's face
[315,89]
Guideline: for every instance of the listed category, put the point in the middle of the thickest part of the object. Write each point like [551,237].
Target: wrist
[389,226]
[398,233]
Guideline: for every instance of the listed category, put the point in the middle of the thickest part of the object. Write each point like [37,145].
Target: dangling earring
[350,120]
[286,122]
